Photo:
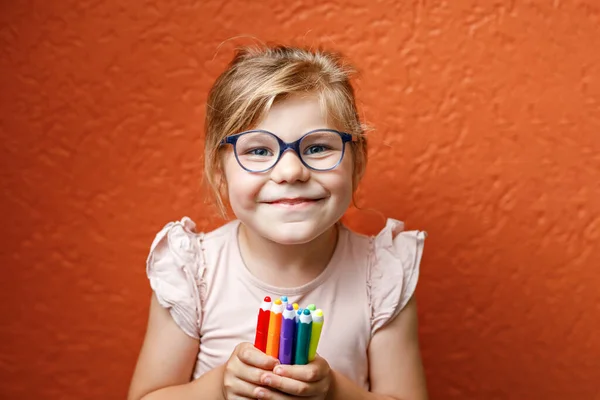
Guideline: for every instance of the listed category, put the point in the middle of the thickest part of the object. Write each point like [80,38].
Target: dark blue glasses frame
[284,146]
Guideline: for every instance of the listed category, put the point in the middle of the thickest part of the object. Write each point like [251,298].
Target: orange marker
[274,329]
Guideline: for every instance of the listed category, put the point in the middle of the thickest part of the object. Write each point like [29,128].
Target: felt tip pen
[298,313]
[312,308]
[262,325]
[303,338]
[288,335]
[274,329]
[284,301]
[315,334]
[296,306]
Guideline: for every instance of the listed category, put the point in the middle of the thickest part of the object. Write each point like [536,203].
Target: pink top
[211,295]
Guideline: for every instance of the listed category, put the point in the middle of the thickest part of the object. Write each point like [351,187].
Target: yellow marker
[315,335]
[274,329]
[296,306]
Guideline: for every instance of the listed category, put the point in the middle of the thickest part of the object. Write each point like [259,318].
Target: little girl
[285,151]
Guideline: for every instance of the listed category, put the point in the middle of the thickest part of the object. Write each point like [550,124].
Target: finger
[306,373]
[290,386]
[240,389]
[266,394]
[250,355]
[248,373]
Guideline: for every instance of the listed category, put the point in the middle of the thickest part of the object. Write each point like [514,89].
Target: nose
[289,169]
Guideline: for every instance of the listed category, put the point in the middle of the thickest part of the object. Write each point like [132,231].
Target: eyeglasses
[260,150]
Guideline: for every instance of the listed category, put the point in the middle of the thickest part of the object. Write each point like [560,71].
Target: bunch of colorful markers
[287,332]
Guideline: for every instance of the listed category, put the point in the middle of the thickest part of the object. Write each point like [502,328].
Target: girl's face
[290,203]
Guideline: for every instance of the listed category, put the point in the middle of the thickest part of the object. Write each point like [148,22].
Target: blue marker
[298,314]
[303,338]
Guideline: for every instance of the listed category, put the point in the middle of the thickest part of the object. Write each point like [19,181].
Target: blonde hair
[256,78]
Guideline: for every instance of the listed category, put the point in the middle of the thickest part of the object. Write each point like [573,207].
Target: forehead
[291,117]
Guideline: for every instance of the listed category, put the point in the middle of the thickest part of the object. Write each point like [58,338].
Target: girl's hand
[243,370]
[310,381]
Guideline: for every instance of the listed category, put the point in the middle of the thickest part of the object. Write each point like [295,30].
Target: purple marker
[288,333]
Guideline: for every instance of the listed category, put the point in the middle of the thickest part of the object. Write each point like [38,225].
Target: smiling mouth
[293,202]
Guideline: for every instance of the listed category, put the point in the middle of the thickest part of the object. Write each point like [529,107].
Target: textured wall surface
[487,136]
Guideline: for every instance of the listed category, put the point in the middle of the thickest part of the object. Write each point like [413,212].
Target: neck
[286,265]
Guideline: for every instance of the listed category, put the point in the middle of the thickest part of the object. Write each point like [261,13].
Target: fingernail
[278,370]
[265,379]
[260,394]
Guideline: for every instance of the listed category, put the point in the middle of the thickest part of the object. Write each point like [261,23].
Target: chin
[290,233]
[293,236]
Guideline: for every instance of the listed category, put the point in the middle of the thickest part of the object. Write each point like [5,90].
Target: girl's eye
[261,152]
[315,149]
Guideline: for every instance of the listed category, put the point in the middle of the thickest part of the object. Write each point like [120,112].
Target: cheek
[242,186]
[339,181]
[346,170]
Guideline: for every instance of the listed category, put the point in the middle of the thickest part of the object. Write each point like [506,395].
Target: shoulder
[392,245]
[183,240]
[393,264]
[175,268]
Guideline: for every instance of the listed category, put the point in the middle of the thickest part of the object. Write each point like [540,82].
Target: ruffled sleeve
[393,271]
[174,270]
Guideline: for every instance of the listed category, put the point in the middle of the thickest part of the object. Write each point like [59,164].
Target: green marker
[312,308]
[317,327]
[303,338]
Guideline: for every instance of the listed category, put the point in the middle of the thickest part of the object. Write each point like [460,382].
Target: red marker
[262,326]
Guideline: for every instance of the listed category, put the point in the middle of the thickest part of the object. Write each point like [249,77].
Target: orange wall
[487,135]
